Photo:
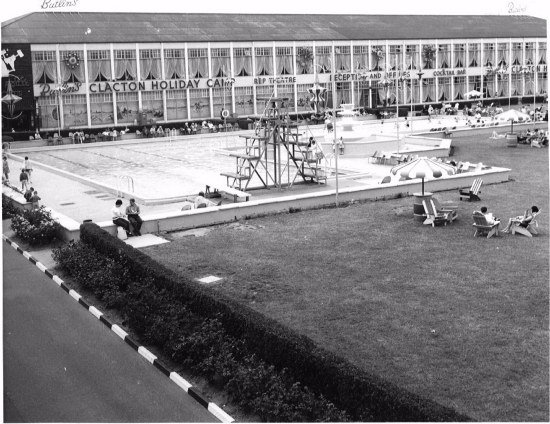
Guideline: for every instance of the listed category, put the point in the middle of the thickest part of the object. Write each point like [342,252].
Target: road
[61,364]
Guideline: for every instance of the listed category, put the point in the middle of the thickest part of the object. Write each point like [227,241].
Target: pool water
[158,169]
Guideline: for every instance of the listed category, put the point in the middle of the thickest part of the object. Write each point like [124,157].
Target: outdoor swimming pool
[158,169]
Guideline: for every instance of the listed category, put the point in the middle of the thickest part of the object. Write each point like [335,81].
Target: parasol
[512,115]
[423,168]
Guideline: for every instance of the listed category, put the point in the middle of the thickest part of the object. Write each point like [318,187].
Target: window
[43,56]
[284,51]
[264,63]
[194,53]
[243,61]
[71,66]
[174,53]
[198,63]
[99,55]
[284,61]
[262,51]
[44,67]
[240,52]
[150,64]
[125,54]
[221,64]
[219,52]
[174,63]
[149,54]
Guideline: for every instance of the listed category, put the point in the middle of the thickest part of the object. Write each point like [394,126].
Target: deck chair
[473,192]
[374,157]
[451,209]
[434,217]
[529,230]
[483,227]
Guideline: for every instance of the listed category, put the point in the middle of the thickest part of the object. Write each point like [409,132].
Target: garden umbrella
[423,168]
[472,93]
[512,115]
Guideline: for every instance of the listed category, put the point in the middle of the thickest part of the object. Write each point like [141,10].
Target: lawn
[458,319]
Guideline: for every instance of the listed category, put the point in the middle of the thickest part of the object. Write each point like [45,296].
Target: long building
[63,71]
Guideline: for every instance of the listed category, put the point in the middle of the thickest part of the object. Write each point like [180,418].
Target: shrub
[203,345]
[362,395]
[9,210]
[35,226]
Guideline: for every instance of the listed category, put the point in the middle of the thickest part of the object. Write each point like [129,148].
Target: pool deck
[73,201]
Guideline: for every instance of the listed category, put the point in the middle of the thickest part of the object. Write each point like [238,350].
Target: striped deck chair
[473,192]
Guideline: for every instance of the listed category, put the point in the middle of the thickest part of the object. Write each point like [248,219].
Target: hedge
[363,395]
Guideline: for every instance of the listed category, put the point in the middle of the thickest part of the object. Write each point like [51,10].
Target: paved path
[61,364]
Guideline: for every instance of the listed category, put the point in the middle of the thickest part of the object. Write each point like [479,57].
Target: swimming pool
[158,169]
[154,170]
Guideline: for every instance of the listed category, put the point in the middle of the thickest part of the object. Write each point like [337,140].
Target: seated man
[522,221]
[132,211]
[119,218]
[489,217]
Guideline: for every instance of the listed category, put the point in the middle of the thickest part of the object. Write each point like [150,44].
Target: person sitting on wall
[119,218]
[132,211]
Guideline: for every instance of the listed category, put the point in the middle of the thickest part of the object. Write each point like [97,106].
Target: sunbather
[522,221]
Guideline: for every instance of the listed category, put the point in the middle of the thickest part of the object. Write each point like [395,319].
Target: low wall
[165,222]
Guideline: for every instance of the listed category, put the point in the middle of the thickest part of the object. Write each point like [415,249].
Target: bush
[362,395]
[196,343]
[9,210]
[35,226]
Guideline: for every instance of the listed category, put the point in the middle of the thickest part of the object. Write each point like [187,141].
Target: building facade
[97,83]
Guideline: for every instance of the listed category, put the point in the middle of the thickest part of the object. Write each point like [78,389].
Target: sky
[13,8]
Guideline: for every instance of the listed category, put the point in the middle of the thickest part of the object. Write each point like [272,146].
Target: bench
[213,189]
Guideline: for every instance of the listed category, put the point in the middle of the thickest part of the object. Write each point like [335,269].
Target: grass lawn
[458,319]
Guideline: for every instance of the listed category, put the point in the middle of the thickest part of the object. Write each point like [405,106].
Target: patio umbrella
[472,93]
[512,115]
[423,168]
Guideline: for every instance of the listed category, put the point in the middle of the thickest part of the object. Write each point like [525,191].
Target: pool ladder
[125,181]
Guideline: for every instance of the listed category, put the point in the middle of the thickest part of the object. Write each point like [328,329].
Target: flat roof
[71,27]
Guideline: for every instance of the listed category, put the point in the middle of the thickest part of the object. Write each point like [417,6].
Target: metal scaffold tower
[276,154]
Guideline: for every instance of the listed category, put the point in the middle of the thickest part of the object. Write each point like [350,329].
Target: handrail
[129,184]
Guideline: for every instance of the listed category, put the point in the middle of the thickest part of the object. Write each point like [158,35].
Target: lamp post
[333,81]
[58,91]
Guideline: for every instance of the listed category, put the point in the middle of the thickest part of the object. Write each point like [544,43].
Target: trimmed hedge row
[194,342]
[364,396]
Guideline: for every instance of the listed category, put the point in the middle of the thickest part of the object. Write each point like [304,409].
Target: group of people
[535,137]
[25,179]
[128,218]
[522,221]
[187,129]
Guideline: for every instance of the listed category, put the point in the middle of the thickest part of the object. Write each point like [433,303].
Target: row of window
[287,51]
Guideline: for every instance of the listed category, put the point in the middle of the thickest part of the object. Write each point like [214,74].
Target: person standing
[6,168]
[23,179]
[132,211]
[28,194]
[28,168]
[119,218]
[35,200]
